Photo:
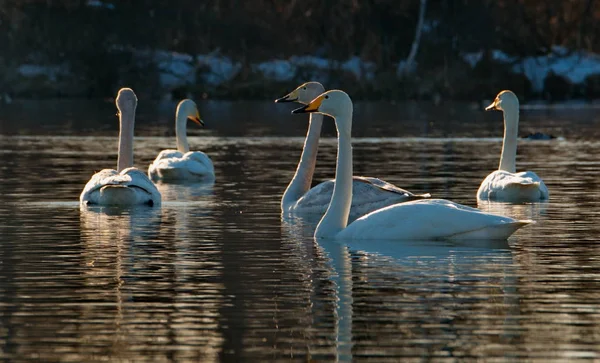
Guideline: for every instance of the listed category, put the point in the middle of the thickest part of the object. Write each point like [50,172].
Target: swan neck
[509,144]
[336,217]
[126,125]
[181,132]
[302,180]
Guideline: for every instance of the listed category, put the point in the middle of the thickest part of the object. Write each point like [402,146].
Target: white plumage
[501,185]
[368,194]
[127,185]
[173,165]
[183,165]
[415,220]
[299,199]
[505,184]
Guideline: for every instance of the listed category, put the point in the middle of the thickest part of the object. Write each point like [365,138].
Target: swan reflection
[378,284]
[518,211]
[149,281]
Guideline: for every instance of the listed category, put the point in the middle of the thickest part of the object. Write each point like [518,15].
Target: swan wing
[96,182]
[430,219]
[199,163]
[173,165]
[386,187]
[368,194]
[535,178]
[512,187]
[168,154]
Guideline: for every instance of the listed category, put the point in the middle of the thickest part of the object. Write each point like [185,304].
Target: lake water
[216,275]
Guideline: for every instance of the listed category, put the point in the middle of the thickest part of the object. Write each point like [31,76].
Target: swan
[369,193]
[428,219]
[126,185]
[504,184]
[183,164]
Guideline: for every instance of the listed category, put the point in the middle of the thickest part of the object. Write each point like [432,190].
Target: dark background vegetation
[96,42]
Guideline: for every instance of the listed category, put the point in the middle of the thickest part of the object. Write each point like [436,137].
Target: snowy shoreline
[184,71]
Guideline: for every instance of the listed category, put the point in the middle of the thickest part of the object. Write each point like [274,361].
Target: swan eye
[326,97]
[304,88]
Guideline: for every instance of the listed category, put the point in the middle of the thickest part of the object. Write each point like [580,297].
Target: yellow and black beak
[313,106]
[196,118]
[290,97]
[493,106]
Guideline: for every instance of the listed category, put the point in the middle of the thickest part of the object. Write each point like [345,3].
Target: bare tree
[408,65]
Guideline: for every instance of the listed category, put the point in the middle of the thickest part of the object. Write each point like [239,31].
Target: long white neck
[181,132]
[125,157]
[336,217]
[301,181]
[509,144]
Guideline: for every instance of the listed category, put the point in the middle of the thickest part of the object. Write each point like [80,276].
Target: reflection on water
[216,275]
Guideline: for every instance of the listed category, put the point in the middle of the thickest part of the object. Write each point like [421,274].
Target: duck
[183,165]
[127,185]
[300,199]
[505,184]
[426,219]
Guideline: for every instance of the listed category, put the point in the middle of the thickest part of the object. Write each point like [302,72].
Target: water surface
[215,274]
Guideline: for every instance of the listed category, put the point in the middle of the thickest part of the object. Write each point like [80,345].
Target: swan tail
[495,232]
[117,195]
[423,196]
[170,173]
[522,191]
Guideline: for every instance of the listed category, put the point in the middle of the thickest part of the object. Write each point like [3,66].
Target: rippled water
[215,274]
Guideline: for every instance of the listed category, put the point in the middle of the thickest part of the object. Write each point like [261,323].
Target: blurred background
[254,49]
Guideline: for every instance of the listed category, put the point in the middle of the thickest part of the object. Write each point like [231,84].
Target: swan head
[334,103]
[506,100]
[188,109]
[304,93]
[126,100]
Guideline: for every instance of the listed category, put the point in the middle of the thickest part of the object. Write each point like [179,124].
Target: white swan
[369,193]
[183,164]
[415,220]
[504,184]
[126,185]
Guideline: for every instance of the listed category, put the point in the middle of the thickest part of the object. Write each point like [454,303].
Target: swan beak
[313,106]
[197,119]
[491,107]
[290,97]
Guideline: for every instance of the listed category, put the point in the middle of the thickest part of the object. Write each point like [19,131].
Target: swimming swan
[126,185]
[369,193]
[183,164]
[504,184]
[414,220]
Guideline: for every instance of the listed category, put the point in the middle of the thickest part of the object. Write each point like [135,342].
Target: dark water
[215,274]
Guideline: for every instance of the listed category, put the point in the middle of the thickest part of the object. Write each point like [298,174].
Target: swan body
[505,184]
[173,165]
[129,187]
[183,164]
[430,220]
[501,185]
[415,220]
[299,199]
[126,186]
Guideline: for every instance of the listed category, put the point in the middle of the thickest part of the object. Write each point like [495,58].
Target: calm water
[215,274]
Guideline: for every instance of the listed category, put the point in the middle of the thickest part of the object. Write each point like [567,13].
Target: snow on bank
[36,70]
[574,66]
[178,69]
[317,68]
[100,4]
